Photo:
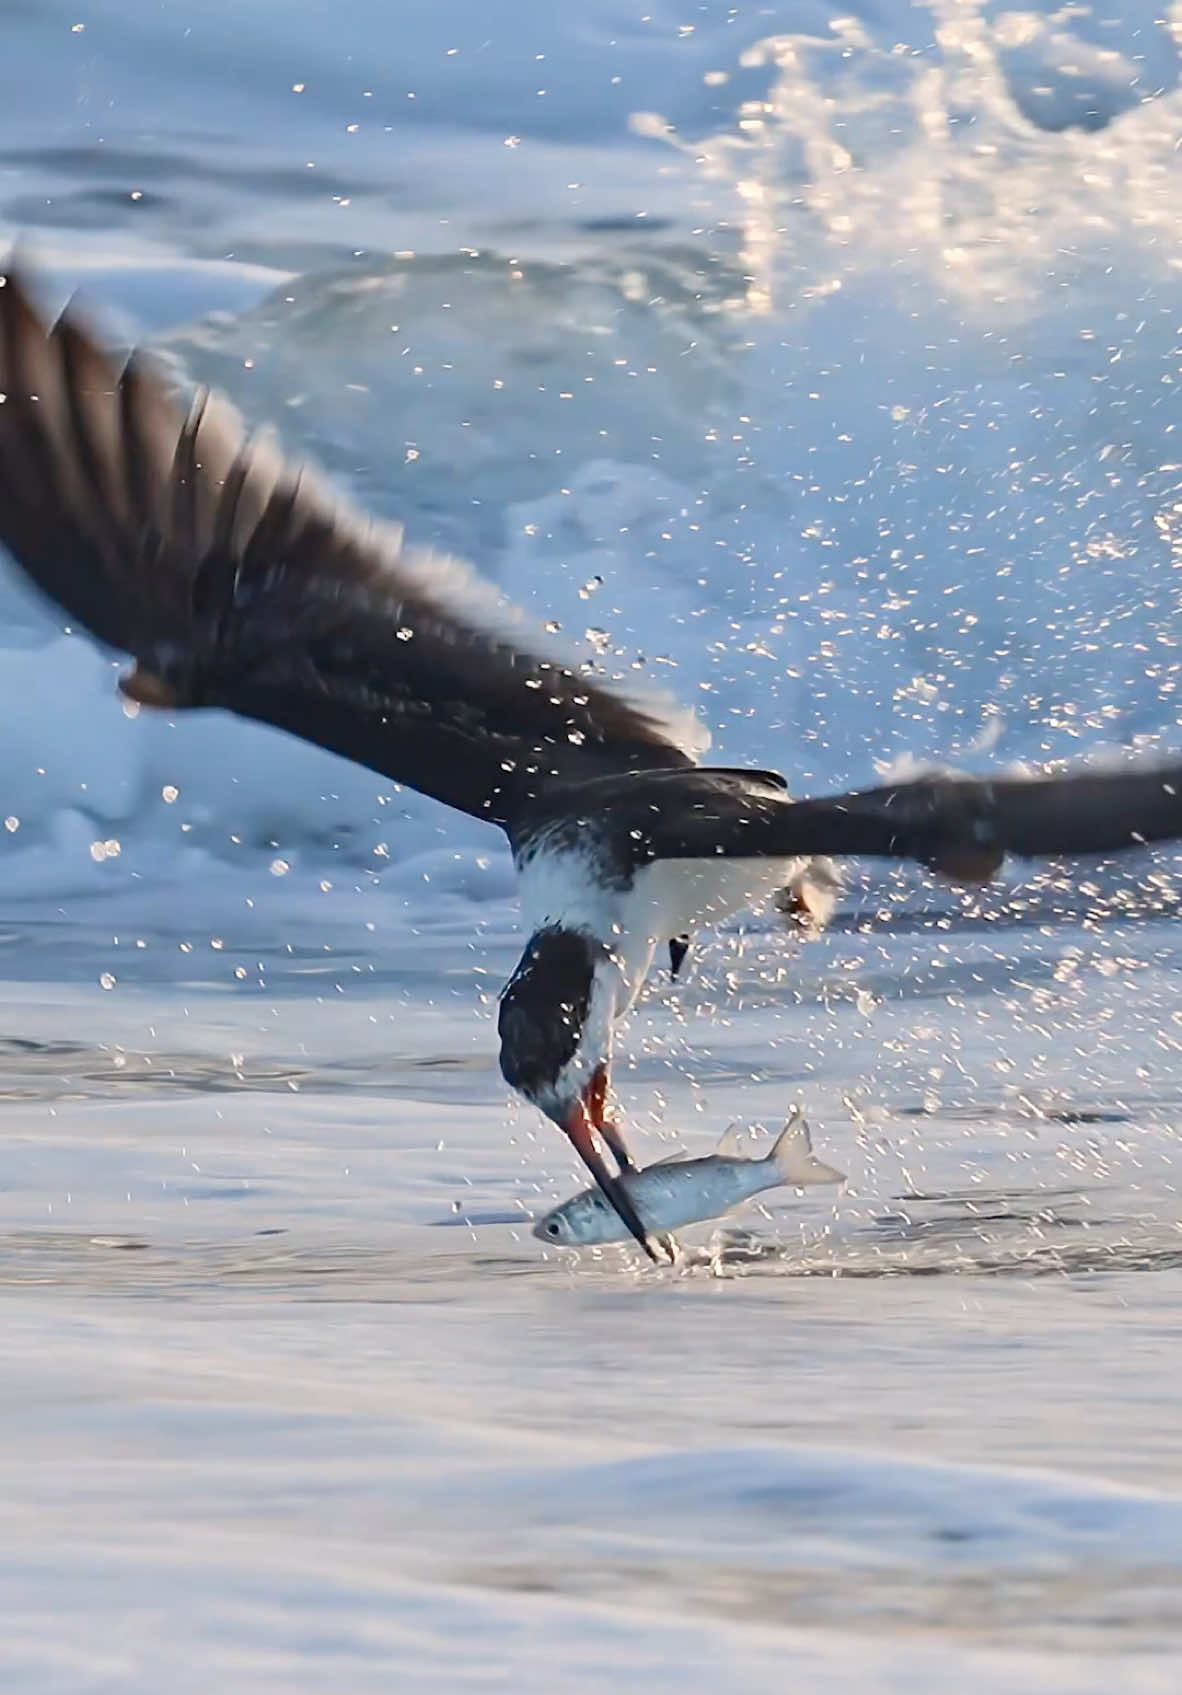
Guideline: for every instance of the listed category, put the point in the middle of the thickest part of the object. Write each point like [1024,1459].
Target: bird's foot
[679,946]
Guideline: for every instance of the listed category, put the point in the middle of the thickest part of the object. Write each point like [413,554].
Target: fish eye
[553,1228]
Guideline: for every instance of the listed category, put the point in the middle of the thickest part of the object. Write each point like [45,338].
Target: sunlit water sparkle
[820,370]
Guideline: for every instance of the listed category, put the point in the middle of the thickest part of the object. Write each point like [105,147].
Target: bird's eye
[553,1229]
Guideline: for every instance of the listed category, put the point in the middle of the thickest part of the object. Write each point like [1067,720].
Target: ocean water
[821,370]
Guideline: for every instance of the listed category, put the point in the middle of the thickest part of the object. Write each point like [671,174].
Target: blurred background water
[818,368]
[821,369]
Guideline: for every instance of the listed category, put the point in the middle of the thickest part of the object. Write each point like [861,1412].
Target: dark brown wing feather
[965,826]
[962,827]
[236,581]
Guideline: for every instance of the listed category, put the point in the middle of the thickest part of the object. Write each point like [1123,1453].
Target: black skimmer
[239,583]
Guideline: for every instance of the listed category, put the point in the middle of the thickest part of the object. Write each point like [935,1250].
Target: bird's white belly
[668,898]
[672,896]
[665,898]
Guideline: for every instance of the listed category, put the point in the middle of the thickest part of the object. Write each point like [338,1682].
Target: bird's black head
[544,1008]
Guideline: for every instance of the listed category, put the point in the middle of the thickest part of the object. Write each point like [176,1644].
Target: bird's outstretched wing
[237,581]
[962,827]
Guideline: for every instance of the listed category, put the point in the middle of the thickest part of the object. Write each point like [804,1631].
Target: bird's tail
[808,900]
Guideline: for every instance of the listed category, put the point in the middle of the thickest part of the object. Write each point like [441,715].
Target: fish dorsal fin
[794,1159]
[674,1158]
[732,1144]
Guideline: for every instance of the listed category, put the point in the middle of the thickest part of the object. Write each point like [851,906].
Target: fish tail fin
[794,1159]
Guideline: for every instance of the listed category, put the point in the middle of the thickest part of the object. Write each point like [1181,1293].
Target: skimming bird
[236,581]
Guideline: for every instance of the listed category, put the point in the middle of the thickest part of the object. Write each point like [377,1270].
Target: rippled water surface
[288,1381]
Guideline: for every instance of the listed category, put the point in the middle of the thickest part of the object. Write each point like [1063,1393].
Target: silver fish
[680,1191]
